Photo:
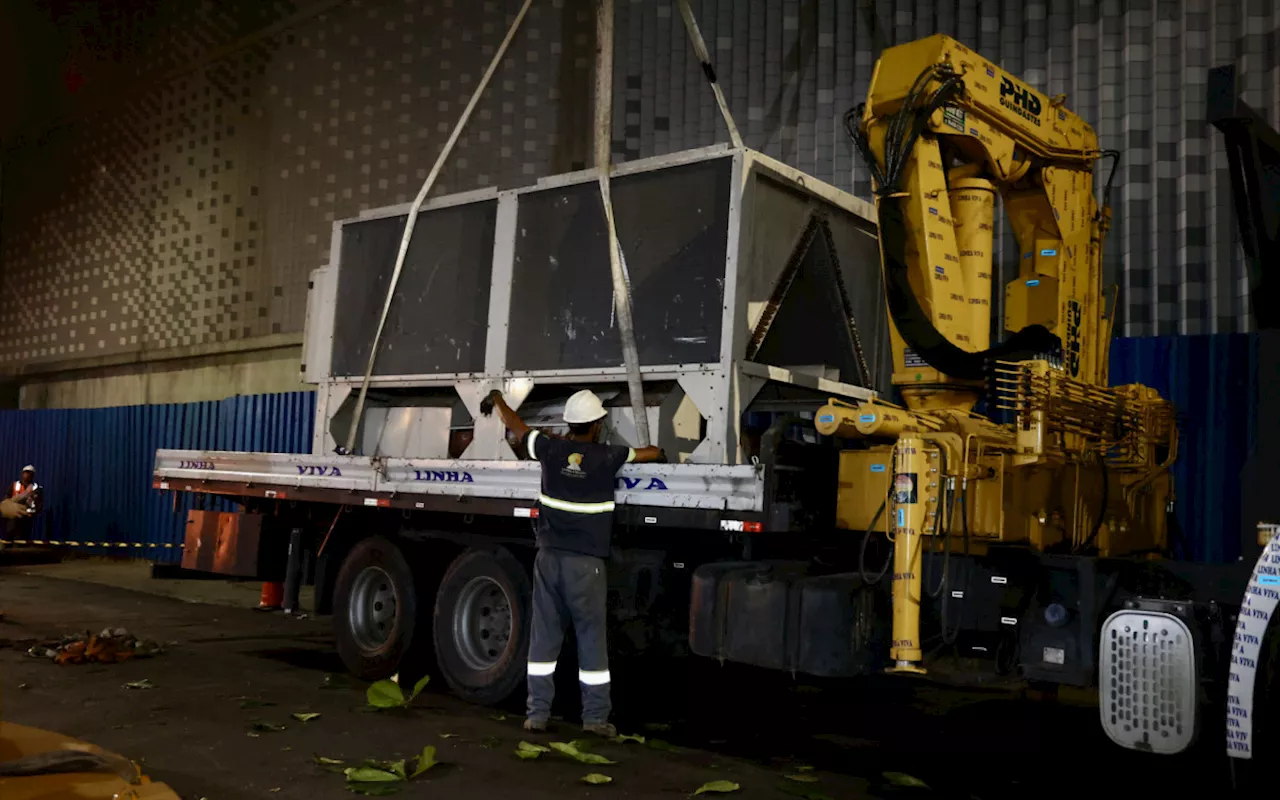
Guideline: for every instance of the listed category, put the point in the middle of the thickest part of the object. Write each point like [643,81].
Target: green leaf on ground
[717,787]
[385,694]
[628,737]
[398,768]
[903,779]
[426,761]
[305,716]
[418,687]
[263,726]
[567,748]
[596,778]
[528,755]
[370,775]
[802,778]
[448,736]
[581,744]
[319,759]
[336,682]
[663,745]
[142,684]
[529,747]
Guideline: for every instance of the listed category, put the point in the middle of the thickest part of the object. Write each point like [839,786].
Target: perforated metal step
[1147,681]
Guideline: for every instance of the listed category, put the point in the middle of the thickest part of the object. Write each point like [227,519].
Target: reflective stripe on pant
[569,589]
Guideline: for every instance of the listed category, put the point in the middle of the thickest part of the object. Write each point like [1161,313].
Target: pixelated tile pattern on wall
[194,212]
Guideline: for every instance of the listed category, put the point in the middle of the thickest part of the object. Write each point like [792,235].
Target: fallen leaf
[385,694]
[319,759]
[426,761]
[266,727]
[530,747]
[528,755]
[802,778]
[803,768]
[581,744]
[903,779]
[305,716]
[419,686]
[336,682]
[660,744]
[628,737]
[596,778]
[448,735]
[569,750]
[717,787]
[142,684]
[254,735]
[498,717]
[370,775]
[273,791]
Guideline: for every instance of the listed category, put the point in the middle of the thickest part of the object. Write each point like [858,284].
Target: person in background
[575,529]
[21,504]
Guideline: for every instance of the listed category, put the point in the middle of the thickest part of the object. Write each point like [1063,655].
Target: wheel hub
[482,623]
[372,612]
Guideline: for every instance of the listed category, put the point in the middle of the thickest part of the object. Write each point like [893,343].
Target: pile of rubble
[110,646]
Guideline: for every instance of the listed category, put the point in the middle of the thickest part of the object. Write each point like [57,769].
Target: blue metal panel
[96,464]
[1212,381]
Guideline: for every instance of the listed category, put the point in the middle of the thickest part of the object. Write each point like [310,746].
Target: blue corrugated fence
[1212,381]
[96,464]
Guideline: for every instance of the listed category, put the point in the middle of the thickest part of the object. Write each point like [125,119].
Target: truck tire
[481,625]
[375,609]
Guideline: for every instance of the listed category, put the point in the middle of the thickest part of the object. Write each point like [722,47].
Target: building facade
[178,212]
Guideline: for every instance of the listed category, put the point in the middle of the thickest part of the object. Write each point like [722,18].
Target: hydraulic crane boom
[1084,468]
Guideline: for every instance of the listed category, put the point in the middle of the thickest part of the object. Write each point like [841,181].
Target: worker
[22,502]
[575,525]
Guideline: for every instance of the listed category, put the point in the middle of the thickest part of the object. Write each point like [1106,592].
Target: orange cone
[272,596]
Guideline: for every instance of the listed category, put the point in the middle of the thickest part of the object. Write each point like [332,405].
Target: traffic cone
[272,596]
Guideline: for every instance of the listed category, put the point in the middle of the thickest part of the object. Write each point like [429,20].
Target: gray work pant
[569,589]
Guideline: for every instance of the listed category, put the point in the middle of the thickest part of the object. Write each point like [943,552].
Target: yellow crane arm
[943,130]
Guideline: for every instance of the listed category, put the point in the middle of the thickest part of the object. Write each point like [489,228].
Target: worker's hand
[486,405]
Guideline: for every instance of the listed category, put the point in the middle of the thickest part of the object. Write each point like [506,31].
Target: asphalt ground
[230,675]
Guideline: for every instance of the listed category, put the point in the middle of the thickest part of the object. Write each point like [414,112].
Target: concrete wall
[180,378]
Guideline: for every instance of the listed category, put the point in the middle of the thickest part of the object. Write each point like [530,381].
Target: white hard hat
[28,468]
[583,407]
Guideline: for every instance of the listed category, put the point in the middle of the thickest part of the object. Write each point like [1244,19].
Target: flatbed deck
[679,495]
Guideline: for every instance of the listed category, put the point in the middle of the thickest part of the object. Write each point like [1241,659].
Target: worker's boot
[535,725]
[602,729]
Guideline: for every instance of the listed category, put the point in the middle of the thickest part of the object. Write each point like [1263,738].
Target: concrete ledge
[64,369]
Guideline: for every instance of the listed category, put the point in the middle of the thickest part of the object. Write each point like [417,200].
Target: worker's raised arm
[509,417]
[648,455]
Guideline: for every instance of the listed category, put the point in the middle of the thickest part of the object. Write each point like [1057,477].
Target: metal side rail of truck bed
[730,498]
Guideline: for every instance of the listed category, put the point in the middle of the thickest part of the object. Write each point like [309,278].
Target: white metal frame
[721,390]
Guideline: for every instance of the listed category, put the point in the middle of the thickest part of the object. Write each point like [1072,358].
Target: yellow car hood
[20,742]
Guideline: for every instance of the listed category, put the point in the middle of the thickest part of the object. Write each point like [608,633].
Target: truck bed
[464,486]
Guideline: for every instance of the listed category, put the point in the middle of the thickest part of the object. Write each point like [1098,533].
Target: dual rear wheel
[476,624]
